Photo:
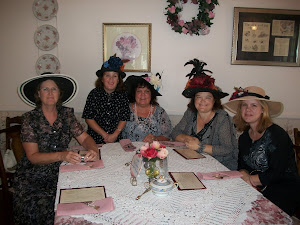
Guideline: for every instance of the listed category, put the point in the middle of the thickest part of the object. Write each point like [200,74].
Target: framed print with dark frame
[129,41]
[267,37]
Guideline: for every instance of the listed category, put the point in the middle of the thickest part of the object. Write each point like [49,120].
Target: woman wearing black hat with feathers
[205,126]
[106,110]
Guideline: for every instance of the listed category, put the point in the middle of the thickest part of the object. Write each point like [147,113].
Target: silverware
[91,204]
[128,163]
[138,197]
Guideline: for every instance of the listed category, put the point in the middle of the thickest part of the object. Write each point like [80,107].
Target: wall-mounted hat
[114,64]
[67,85]
[199,81]
[253,93]
[154,82]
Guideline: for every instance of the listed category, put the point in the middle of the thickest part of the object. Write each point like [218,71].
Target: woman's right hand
[246,176]
[71,157]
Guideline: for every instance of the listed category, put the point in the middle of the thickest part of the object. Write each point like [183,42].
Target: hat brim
[103,69]
[190,92]
[67,84]
[275,108]
[131,82]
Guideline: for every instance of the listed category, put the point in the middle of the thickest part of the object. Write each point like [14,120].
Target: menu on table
[188,153]
[82,194]
[187,180]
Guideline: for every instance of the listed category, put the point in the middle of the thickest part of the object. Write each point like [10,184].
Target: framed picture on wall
[267,37]
[129,41]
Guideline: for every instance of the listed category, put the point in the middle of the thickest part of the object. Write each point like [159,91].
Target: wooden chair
[13,142]
[297,147]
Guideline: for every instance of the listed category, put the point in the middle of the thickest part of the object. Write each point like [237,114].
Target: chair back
[13,140]
[297,147]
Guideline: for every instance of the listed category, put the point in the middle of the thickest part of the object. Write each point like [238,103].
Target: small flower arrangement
[153,152]
[239,92]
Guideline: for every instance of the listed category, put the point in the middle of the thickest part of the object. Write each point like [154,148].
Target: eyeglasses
[48,90]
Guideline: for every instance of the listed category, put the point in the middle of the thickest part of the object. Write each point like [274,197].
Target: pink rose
[181,22]
[145,147]
[150,153]
[162,153]
[155,145]
[211,14]
[172,9]
[184,30]
[208,1]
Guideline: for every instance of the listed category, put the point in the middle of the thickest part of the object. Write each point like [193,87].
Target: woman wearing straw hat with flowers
[266,156]
[205,126]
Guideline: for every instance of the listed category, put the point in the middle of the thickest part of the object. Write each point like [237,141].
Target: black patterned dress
[35,185]
[107,110]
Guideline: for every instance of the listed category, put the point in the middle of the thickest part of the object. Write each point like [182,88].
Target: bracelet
[201,147]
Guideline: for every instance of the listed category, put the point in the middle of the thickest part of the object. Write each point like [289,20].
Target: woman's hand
[149,138]
[70,156]
[91,155]
[246,176]
[110,138]
[192,143]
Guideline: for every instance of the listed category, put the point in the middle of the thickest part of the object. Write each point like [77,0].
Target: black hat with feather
[199,81]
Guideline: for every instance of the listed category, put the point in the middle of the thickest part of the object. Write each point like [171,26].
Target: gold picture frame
[129,41]
[266,37]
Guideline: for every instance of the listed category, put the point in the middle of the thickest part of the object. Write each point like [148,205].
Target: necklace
[147,120]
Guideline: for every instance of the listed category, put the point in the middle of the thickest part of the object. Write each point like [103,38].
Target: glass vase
[162,165]
[151,169]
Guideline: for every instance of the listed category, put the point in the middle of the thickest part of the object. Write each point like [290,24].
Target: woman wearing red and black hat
[266,156]
[106,110]
[205,126]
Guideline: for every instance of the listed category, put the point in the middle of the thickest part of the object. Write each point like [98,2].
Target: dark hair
[141,84]
[120,85]
[264,122]
[217,104]
[37,99]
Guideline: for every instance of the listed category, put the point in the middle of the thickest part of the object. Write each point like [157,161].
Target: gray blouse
[158,124]
[220,134]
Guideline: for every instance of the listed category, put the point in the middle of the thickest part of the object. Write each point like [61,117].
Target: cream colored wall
[79,23]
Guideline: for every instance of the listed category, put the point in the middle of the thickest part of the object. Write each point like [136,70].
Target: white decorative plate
[44,9]
[47,63]
[46,37]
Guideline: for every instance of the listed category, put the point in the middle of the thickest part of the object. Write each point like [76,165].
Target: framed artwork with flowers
[129,41]
[267,37]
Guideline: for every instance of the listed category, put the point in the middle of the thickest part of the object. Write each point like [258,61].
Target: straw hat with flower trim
[253,93]
[199,81]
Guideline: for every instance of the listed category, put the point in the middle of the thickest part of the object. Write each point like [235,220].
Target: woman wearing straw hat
[148,121]
[106,109]
[45,134]
[266,156]
[205,126]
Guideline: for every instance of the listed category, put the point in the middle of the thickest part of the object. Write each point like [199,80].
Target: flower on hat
[154,80]
[239,92]
[114,63]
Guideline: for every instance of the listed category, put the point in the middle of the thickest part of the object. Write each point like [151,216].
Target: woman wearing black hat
[106,110]
[45,134]
[148,121]
[205,126]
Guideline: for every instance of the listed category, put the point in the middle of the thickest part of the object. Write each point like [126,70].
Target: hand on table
[149,138]
[192,143]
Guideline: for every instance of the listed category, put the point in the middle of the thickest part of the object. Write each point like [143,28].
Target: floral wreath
[199,25]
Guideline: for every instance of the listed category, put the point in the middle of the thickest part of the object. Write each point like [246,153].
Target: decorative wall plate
[47,63]
[46,37]
[44,9]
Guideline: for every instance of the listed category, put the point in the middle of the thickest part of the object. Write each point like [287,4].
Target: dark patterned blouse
[107,110]
[34,184]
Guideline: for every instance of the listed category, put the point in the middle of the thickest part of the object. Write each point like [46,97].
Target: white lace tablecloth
[222,202]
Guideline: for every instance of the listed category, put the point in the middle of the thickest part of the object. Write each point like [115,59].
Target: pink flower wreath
[199,25]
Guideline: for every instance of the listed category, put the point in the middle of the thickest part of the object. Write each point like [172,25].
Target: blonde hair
[265,119]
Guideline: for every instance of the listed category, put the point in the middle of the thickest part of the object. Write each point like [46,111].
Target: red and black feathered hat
[199,81]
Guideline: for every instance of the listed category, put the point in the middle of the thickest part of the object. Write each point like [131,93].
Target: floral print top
[158,124]
[107,110]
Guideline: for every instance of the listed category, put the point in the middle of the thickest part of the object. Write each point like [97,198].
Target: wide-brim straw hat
[253,93]
[67,85]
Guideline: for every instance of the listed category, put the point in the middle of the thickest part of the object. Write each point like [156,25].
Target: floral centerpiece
[151,153]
